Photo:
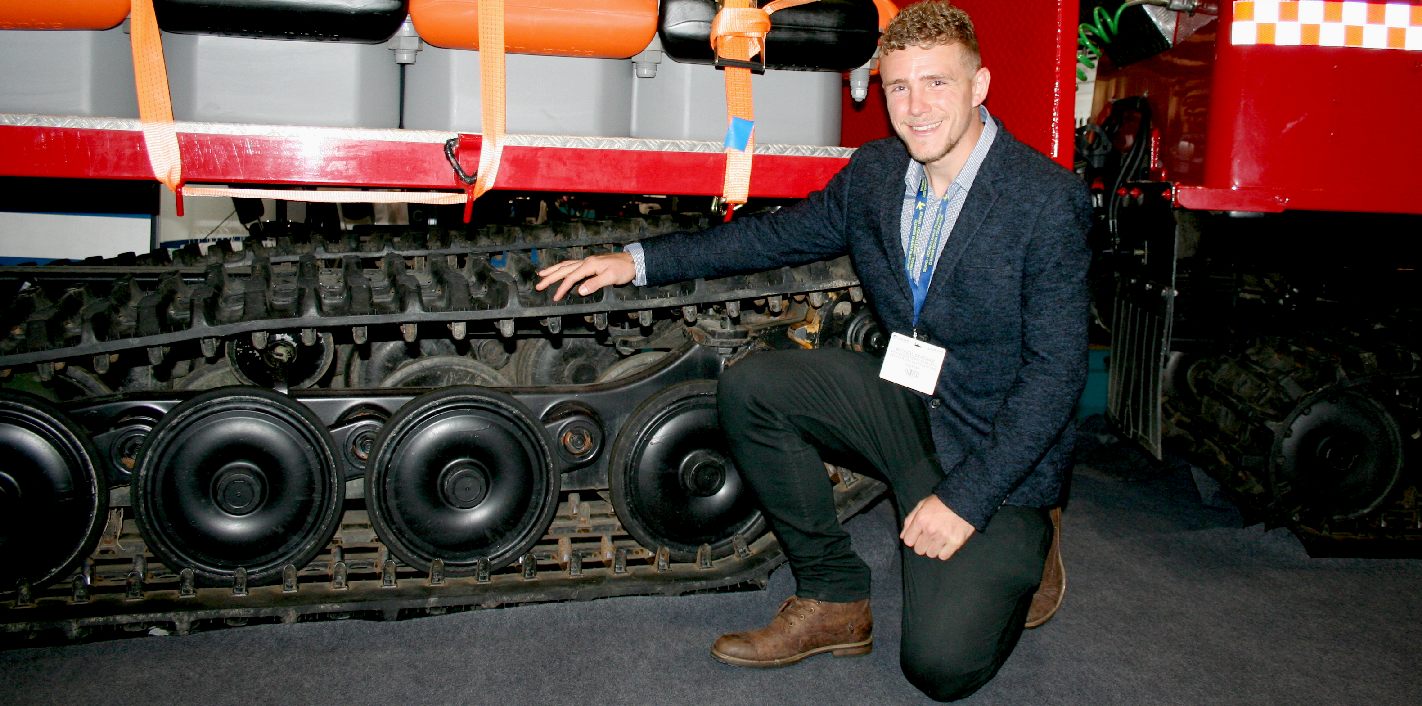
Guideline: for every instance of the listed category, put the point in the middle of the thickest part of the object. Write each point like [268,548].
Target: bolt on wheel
[238,478]
[53,499]
[461,475]
[673,481]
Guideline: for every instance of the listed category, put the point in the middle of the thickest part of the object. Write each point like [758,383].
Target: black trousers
[785,413]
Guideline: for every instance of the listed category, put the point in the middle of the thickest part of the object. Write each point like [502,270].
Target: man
[971,249]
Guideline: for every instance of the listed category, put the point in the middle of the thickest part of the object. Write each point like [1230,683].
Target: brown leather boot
[801,628]
[1049,595]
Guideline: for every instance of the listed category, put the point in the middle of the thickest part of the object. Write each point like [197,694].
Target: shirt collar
[913,177]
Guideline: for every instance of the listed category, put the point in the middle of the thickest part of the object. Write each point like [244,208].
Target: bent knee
[736,381]
[748,381]
[946,677]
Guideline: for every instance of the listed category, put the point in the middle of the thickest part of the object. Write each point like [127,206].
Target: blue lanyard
[919,285]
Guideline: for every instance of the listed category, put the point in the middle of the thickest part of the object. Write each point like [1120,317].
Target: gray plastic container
[282,82]
[546,95]
[688,102]
[62,72]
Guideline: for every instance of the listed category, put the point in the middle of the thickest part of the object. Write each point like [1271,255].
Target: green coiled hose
[1103,25]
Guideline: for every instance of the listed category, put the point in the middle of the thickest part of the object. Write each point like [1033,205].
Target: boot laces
[796,609]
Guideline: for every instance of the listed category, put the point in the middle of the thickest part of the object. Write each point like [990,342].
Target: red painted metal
[1288,127]
[1030,48]
[655,172]
[1203,198]
[1324,128]
[345,158]
[1178,83]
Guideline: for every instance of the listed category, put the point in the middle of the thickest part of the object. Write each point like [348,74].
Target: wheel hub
[578,440]
[239,488]
[125,449]
[52,497]
[703,473]
[1338,453]
[361,445]
[464,476]
[672,481]
[237,479]
[281,359]
[572,361]
[580,372]
[464,484]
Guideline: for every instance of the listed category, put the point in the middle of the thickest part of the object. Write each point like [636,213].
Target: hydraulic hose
[1092,36]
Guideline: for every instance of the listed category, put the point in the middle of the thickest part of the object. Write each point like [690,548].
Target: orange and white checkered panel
[1325,23]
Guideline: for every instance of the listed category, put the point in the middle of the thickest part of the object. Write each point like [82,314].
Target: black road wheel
[282,360]
[208,376]
[632,365]
[444,371]
[672,479]
[570,361]
[53,500]
[370,365]
[1339,455]
[461,475]
[237,478]
[864,334]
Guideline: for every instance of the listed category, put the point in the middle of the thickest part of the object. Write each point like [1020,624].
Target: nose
[917,104]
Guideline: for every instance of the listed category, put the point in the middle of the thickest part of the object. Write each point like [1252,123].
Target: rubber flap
[62,14]
[609,29]
[828,35]
[358,21]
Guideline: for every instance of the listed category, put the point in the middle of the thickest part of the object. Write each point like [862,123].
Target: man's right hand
[594,272]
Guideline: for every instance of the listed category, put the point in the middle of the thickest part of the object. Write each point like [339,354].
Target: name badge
[912,363]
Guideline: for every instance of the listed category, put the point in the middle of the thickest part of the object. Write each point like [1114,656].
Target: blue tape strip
[738,134]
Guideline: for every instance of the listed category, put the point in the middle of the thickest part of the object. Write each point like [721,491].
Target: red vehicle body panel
[1030,48]
[1271,128]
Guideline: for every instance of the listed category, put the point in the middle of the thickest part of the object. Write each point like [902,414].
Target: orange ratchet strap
[155,105]
[737,34]
[160,137]
[491,99]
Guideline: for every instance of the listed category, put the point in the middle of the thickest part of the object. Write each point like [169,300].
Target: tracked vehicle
[1258,254]
[334,417]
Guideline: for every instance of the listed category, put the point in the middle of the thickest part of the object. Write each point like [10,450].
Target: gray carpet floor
[1170,601]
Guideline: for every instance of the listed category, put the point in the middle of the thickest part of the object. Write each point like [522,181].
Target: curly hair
[928,24]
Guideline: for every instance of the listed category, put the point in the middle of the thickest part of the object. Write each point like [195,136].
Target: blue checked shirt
[952,200]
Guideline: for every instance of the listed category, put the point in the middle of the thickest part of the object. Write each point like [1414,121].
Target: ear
[981,79]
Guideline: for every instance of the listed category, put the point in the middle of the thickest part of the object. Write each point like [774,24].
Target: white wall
[43,236]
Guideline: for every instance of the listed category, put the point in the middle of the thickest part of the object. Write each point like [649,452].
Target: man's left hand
[933,530]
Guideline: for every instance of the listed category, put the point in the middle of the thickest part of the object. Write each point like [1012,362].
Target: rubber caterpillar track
[382,424]
[1312,434]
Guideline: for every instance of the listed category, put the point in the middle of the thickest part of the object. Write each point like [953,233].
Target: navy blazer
[1008,301]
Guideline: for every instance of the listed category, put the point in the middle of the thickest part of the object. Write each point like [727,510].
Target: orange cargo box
[612,29]
[62,14]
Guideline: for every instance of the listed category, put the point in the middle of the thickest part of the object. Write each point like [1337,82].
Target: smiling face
[933,96]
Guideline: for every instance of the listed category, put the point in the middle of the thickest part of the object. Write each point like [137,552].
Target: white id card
[912,363]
